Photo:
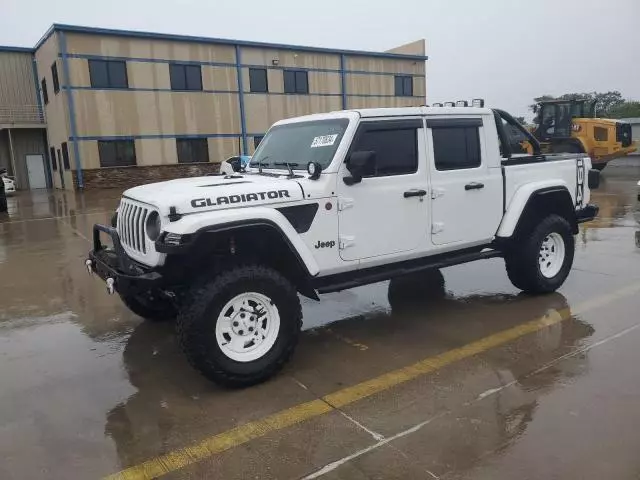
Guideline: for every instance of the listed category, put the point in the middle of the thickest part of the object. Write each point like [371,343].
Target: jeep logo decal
[329,244]
[249,197]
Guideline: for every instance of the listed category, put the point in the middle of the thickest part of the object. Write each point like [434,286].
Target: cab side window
[396,149]
[456,147]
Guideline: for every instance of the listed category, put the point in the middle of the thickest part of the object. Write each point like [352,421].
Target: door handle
[415,193]
[474,186]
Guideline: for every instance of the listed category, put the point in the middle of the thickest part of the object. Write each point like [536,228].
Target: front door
[387,212]
[35,171]
[466,194]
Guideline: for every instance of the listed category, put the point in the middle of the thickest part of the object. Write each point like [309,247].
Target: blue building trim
[235,92]
[243,120]
[153,136]
[145,89]
[7,48]
[62,45]
[149,60]
[243,65]
[220,41]
[45,37]
[343,81]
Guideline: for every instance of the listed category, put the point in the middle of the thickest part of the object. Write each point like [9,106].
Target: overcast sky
[506,51]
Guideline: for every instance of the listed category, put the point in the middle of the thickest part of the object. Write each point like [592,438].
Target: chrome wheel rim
[551,255]
[247,327]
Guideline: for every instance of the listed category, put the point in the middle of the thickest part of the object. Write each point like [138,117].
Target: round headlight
[153,226]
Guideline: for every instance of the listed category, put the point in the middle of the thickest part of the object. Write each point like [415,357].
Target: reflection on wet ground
[88,389]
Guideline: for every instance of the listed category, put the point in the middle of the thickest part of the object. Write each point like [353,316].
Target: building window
[45,94]
[257,140]
[404,86]
[296,81]
[65,156]
[117,153]
[185,77]
[52,154]
[258,80]
[456,148]
[192,150]
[396,150]
[54,75]
[108,74]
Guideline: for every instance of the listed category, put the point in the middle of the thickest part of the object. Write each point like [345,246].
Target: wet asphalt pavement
[88,390]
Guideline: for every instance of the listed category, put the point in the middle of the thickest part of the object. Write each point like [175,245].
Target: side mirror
[359,164]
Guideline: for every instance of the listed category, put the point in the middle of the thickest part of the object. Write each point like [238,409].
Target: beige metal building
[125,107]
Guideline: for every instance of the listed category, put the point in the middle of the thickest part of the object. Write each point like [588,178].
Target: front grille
[623,133]
[131,225]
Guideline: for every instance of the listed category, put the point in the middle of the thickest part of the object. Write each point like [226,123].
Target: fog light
[172,239]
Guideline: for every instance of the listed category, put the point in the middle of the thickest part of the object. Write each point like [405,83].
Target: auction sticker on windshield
[324,141]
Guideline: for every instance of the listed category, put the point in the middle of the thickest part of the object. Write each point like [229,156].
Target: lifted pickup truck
[330,202]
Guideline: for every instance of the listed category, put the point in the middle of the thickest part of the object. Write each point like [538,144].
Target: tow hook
[89,263]
[110,288]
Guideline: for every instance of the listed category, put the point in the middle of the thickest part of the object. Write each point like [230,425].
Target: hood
[200,194]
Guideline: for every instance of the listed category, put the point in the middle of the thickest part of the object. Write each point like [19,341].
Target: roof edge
[220,41]
[7,48]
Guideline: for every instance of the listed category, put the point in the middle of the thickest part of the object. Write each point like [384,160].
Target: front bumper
[113,265]
[587,213]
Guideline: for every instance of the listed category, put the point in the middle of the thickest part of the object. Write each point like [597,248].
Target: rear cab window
[456,143]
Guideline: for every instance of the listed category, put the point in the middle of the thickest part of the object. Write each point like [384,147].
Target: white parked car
[9,186]
[334,201]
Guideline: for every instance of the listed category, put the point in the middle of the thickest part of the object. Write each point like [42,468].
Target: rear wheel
[242,327]
[539,261]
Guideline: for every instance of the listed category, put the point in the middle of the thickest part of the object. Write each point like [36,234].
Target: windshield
[300,143]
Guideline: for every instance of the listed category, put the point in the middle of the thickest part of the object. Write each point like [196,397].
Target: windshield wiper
[259,162]
[289,165]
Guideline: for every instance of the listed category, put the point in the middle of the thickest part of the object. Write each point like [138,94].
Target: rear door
[466,194]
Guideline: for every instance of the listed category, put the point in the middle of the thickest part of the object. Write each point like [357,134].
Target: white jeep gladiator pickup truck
[330,202]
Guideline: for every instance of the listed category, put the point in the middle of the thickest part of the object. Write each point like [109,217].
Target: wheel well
[260,243]
[543,203]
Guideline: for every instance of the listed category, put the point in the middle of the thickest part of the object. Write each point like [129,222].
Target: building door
[35,170]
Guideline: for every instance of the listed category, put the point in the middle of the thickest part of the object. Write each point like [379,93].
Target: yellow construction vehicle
[571,126]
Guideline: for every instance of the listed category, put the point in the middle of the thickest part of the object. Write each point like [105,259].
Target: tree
[521,120]
[628,109]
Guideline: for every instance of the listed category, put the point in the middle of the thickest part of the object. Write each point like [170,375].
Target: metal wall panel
[17,86]
[148,48]
[263,110]
[120,112]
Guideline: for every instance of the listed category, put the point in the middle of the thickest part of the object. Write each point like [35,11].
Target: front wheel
[242,327]
[539,261]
